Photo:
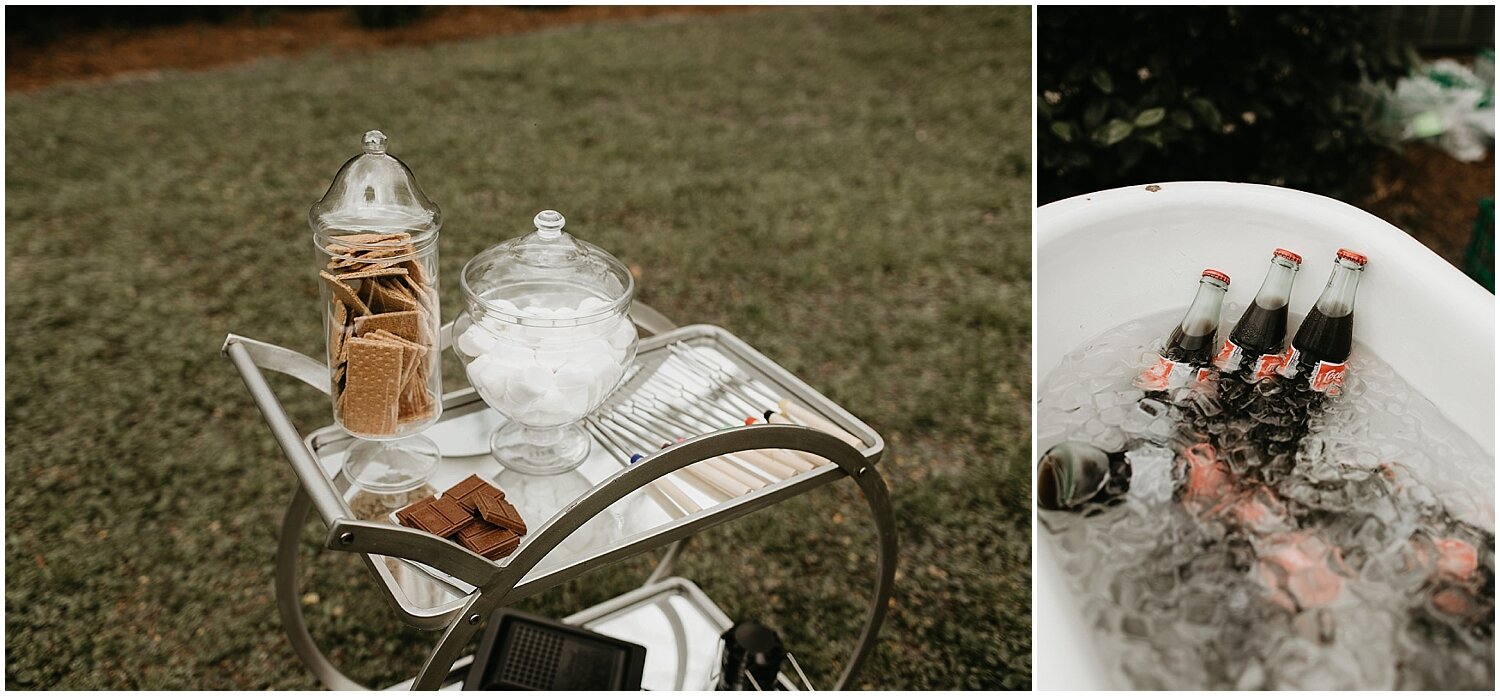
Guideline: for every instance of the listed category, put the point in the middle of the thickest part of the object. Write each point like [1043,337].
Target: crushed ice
[1358,557]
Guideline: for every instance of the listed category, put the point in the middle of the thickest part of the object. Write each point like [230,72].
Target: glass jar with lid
[376,235]
[545,336]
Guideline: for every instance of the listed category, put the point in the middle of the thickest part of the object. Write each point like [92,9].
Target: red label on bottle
[1157,376]
[1165,374]
[1228,357]
[1267,365]
[1288,366]
[1328,378]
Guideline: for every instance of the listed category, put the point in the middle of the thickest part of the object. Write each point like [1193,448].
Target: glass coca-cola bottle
[1256,342]
[1190,349]
[1320,350]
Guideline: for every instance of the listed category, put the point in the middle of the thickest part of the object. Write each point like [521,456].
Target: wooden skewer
[813,420]
[769,464]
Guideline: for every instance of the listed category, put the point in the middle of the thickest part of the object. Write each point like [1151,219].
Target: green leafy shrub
[1131,95]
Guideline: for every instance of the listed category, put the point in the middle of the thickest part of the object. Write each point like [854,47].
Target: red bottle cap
[1353,256]
[1218,275]
[1288,255]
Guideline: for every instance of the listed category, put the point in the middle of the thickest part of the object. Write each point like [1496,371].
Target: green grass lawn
[847,190]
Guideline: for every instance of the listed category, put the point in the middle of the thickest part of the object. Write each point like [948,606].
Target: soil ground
[99,55]
[1432,196]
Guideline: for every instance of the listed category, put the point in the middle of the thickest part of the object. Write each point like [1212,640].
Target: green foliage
[1130,95]
[855,203]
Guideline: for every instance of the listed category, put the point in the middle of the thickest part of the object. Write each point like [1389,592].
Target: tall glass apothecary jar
[376,235]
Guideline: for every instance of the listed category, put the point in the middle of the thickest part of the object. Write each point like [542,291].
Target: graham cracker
[336,345]
[416,271]
[423,293]
[414,355]
[368,238]
[342,356]
[384,297]
[373,390]
[372,273]
[403,324]
[344,293]
[415,414]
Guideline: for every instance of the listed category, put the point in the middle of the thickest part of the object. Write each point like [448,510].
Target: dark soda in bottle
[1256,342]
[1320,350]
[1191,347]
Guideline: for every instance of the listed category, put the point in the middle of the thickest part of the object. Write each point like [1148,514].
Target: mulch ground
[1431,195]
[99,55]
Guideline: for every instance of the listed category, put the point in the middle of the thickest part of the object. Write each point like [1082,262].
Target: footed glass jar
[545,336]
[376,236]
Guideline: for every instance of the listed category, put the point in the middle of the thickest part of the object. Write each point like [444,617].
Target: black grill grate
[531,660]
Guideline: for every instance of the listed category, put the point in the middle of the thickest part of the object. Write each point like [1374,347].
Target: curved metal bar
[330,505]
[455,640]
[873,486]
[679,636]
[385,539]
[289,602]
[272,357]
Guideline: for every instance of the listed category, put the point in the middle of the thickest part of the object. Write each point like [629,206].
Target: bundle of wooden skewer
[690,393]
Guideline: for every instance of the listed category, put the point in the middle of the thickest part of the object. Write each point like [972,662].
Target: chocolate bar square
[499,511]
[493,543]
[438,516]
[465,492]
[471,529]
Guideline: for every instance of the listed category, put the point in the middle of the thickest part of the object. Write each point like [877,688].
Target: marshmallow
[547,375]
[475,341]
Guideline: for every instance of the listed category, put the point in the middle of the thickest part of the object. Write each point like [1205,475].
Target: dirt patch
[1431,196]
[99,55]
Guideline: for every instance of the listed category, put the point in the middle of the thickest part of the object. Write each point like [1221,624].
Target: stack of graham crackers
[473,513]
[381,342]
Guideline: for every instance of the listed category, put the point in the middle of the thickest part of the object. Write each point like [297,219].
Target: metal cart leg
[454,641]
[663,568]
[873,487]
[290,602]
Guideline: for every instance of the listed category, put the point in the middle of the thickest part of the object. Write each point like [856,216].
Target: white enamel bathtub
[1110,257]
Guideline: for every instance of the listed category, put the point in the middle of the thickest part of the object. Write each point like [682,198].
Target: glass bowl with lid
[545,335]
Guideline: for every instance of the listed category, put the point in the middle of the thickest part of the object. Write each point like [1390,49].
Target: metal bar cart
[677,622]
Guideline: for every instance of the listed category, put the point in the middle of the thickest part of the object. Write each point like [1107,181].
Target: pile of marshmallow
[546,376]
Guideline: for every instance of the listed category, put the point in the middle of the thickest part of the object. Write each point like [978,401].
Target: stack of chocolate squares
[473,513]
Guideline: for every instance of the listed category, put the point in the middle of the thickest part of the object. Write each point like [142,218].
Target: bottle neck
[1202,317]
[1276,290]
[1337,299]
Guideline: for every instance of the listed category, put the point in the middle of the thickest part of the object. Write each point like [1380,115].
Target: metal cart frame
[500,582]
